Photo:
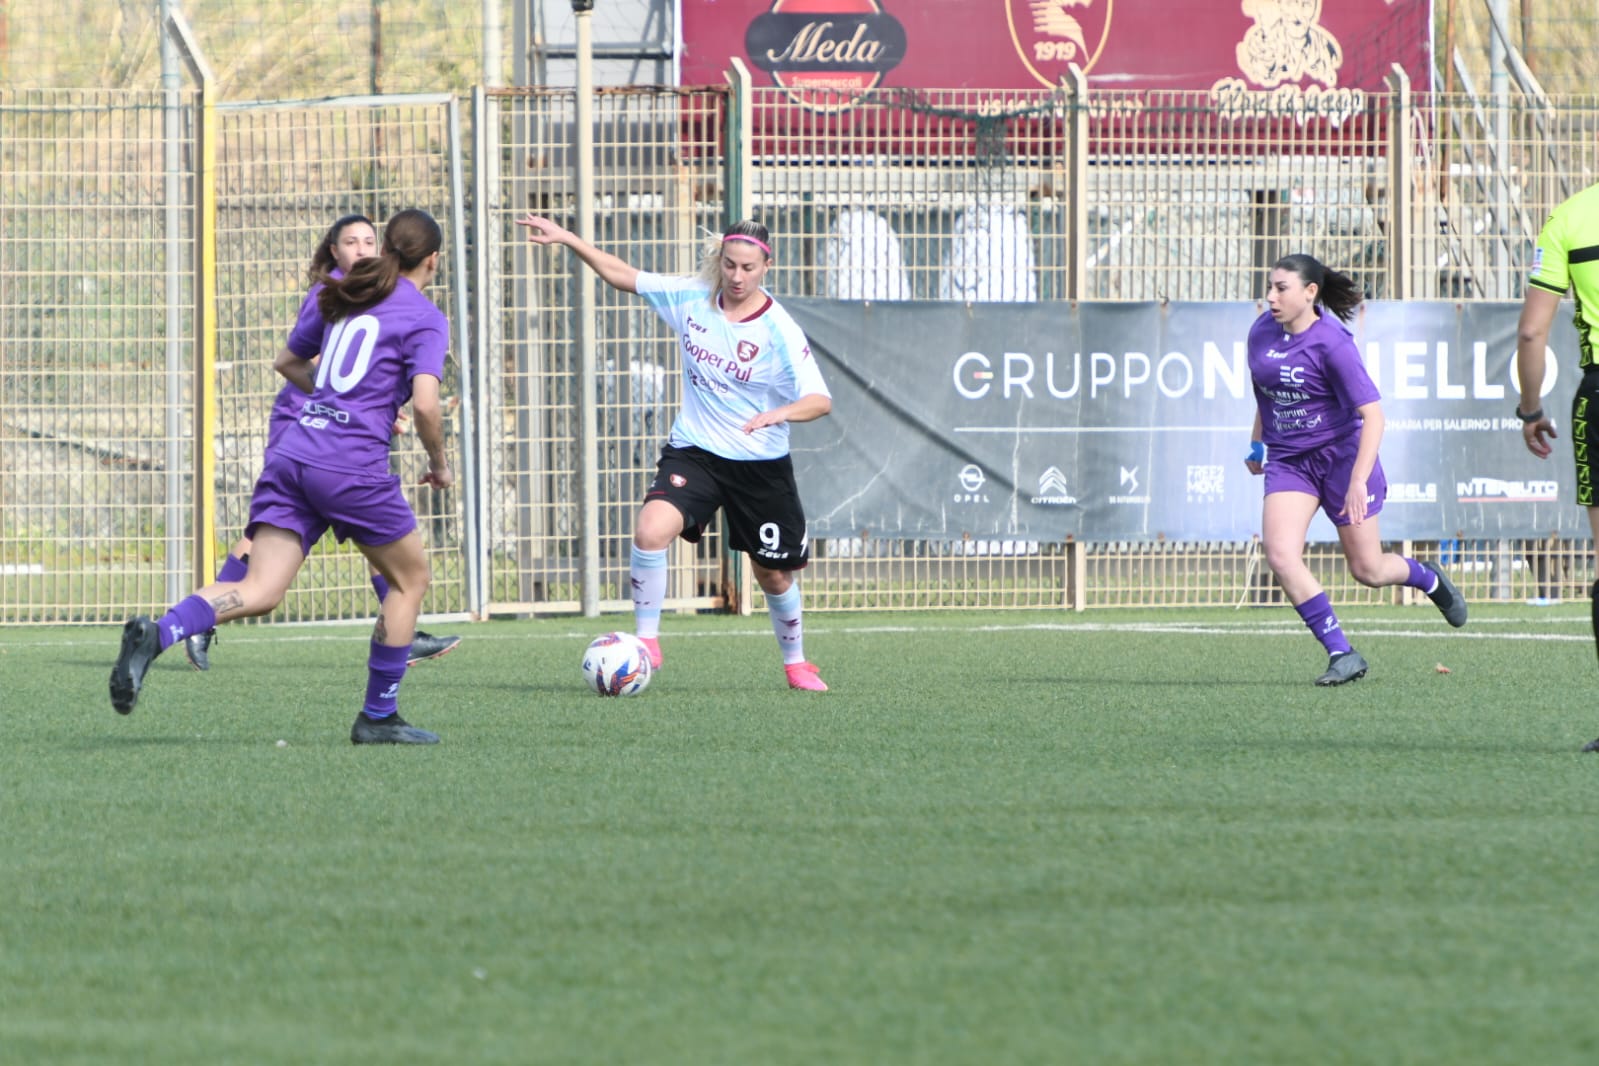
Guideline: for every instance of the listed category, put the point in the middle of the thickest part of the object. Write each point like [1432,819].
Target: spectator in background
[747,373]
[1319,417]
[989,258]
[864,259]
[1567,258]
[384,344]
[348,239]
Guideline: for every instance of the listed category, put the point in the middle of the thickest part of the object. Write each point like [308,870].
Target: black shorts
[1585,435]
[764,516]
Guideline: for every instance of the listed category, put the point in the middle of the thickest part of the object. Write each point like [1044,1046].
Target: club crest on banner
[1050,35]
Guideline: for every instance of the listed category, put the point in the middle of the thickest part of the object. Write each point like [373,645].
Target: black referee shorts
[1585,434]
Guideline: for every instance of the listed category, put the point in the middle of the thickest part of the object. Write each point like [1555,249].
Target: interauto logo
[1498,490]
[826,53]
[1051,35]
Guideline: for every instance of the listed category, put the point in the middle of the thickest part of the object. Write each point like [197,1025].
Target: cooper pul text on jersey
[1307,385]
[1567,257]
[732,371]
[368,361]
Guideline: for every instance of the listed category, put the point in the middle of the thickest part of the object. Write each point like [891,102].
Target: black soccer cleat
[427,646]
[390,730]
[1447,598]
[1592,745]
[141,643]
[197,649]
[1344,667]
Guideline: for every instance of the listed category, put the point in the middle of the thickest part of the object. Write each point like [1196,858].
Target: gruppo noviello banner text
[1132,421]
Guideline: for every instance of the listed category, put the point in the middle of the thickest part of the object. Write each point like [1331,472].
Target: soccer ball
[617,664]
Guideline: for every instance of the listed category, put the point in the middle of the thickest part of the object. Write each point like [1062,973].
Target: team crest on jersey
[678,480]
[747,350]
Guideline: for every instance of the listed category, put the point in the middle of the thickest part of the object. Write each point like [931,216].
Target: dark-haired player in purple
[350,238]
[1319,415]
[383,344]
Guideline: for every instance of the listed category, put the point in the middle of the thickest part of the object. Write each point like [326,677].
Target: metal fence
[285,172]
[951,196]
[655,190]
[95,367]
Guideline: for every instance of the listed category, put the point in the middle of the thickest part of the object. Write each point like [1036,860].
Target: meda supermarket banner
[1296,58]
[1132,421]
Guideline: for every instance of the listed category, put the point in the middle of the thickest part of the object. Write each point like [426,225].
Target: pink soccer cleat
[803,676]
[653,646]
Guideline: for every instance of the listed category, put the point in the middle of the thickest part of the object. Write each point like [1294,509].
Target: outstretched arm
[614,271]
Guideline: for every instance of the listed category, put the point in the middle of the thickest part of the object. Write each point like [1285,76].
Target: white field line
[1527,629]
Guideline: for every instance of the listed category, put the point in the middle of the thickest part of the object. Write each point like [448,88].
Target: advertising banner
[1298,58]
[1132,421]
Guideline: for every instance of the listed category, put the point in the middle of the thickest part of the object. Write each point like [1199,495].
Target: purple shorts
[369,509]
[1325,475]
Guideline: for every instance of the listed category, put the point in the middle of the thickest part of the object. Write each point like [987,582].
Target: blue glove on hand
[1257,452]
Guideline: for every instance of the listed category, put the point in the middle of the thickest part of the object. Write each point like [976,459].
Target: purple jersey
[1307,385]
[364,378]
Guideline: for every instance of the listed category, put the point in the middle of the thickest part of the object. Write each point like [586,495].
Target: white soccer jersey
[732,371]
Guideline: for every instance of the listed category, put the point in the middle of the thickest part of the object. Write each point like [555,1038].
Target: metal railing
[955,196]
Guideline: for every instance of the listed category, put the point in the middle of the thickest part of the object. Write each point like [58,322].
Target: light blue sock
[647,571]
[788,623]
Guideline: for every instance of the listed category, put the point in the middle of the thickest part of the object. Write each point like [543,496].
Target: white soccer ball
[617,664]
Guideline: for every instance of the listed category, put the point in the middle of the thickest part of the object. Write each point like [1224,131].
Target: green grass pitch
[1110,838]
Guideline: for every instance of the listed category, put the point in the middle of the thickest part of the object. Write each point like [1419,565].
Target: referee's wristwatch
[1528,420]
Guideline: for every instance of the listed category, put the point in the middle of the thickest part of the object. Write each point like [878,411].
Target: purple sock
[1319,619]
[233,569]
[381,587]
[191,615]
[385,669]
[1420,577]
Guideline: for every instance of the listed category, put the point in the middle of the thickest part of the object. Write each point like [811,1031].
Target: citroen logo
[1052,482]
